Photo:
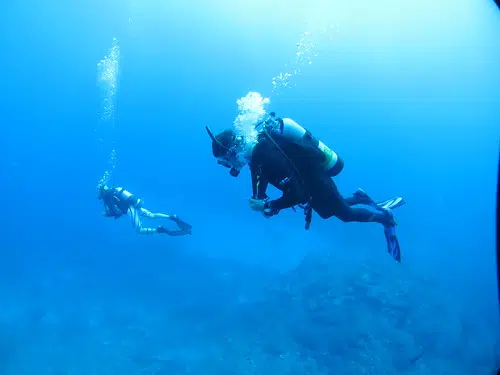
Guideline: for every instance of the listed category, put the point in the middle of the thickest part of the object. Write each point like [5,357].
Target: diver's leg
[347,214]
[184,228]
[332,203]
[135,217]
[151,215]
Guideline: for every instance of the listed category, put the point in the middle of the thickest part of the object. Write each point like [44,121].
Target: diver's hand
[257,204]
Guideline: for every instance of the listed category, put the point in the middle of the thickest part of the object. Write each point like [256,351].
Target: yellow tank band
[330,155]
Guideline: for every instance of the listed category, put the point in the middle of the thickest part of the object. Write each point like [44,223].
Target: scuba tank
[292,131]
[126,198]
[117,200]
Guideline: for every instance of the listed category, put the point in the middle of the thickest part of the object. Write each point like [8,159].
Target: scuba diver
[118,201]
[288,157]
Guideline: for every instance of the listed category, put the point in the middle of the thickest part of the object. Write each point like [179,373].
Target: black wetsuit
[298,173]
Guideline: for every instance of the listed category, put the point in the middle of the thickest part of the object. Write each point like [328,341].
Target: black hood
[222,142]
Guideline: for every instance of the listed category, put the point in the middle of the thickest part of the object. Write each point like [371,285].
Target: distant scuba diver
[289,158]
[118,201]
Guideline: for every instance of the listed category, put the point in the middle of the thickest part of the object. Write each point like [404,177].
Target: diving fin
[389,231]
[183,226]
[364,198]
[390,235]
[176,233]
[392,242]
[392,203]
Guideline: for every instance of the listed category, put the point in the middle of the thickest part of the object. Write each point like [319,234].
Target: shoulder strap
[281,123]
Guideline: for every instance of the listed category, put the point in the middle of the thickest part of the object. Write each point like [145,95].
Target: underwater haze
[120,92]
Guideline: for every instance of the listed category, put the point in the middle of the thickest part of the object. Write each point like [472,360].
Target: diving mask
[234,161]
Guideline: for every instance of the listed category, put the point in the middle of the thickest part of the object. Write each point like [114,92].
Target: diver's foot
[387,218]
[362,197]
[161,229]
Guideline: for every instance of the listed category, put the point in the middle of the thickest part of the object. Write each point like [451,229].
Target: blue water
[407,94]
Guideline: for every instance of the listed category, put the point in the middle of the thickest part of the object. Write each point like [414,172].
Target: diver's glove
[268,211]
[257,204]
[262,205]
